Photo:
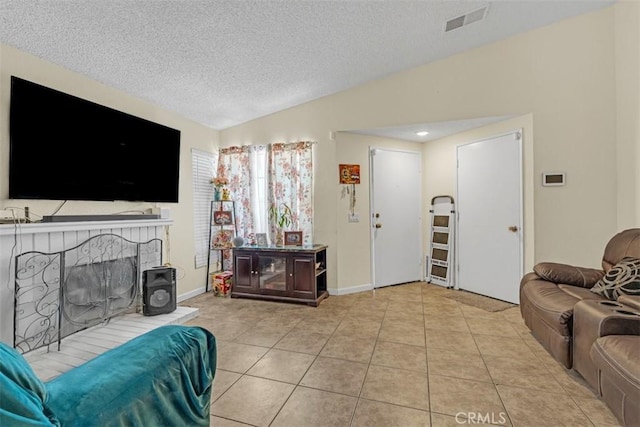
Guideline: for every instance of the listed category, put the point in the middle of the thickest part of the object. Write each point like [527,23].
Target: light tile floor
[400,356]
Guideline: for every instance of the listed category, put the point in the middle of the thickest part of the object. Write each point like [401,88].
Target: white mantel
[56,236]
[59,227]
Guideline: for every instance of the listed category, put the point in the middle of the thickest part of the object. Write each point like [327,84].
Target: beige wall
[627,33]
[561,78]
[193,135]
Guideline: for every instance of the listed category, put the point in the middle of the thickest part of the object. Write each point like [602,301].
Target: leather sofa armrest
[632,301]
[568,274]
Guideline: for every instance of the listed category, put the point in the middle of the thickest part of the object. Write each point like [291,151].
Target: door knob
[378,225]
[513,228]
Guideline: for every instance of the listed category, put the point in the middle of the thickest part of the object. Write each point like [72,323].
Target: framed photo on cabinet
[261,239]
[293,238]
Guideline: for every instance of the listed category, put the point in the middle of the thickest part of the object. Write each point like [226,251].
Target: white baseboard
[341,291]
[191,294]
[351,289]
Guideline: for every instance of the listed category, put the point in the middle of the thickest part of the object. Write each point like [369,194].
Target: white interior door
[489,209]
[396,191]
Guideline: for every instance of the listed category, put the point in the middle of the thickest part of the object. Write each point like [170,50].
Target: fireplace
[60,293]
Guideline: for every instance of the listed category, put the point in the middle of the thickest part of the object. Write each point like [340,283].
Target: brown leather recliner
[549,293]
[616,358]
[606,352]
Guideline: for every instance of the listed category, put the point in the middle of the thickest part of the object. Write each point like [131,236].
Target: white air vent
[466,19]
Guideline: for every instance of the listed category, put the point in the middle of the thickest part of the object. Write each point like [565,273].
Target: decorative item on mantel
[282,217]
[219,183]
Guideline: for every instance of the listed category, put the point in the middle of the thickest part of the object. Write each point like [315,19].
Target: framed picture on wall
[293,238]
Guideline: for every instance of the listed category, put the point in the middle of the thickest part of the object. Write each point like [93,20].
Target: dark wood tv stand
[281,273]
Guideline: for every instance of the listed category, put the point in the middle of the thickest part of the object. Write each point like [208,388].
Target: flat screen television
[67,148]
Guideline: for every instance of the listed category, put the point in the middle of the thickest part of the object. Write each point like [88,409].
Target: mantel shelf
[55,227]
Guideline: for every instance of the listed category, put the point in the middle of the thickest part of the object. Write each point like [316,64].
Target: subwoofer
[158,291]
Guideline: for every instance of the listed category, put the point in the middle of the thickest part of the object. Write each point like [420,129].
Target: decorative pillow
[622,279]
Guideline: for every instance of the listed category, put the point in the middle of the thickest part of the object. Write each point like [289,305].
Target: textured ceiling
[221,63]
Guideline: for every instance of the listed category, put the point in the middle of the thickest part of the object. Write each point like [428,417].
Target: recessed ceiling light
[422,133]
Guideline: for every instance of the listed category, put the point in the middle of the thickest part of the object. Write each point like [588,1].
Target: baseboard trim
[351,289]
[341,291]
[191,294]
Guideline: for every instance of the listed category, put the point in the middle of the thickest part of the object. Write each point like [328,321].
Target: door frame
[520,136]
[372,219]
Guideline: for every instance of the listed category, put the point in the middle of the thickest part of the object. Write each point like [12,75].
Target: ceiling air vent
[466,19]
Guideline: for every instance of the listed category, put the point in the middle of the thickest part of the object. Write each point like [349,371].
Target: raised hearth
[85,345]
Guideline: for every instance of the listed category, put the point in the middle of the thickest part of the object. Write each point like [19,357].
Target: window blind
[204,165]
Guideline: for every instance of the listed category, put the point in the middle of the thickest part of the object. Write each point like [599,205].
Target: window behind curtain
[259,175]
[203,165]
[259,199]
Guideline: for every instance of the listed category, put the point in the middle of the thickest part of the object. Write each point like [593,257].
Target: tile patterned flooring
[400,356]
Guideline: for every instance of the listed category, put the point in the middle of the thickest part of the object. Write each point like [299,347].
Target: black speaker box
[158,291]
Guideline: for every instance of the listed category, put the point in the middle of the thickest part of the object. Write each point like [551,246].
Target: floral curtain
[260,176]
[290,181]
[234,164]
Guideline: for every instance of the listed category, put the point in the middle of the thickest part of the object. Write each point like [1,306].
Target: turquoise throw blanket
[22,394]
[162,378]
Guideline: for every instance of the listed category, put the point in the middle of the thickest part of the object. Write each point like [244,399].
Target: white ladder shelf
[440,262]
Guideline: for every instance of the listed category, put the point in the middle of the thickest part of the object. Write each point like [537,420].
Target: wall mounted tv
[66,148]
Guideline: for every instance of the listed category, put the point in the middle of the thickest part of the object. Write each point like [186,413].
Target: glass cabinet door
[273,272]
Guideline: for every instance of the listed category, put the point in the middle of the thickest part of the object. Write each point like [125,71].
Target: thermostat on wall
[550,179]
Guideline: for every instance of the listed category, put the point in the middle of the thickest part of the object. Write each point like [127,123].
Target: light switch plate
[354,217]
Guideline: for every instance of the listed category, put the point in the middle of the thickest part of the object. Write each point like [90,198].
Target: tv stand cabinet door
[244,273]
[303,277]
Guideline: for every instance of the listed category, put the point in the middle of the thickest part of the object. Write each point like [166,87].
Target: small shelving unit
[223,228]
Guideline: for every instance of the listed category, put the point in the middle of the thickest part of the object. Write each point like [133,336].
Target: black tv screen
[66,148]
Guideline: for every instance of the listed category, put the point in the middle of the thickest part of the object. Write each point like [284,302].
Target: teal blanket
[162,378]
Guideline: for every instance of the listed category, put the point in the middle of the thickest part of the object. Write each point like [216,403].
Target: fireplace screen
[60,293]
[98,290]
